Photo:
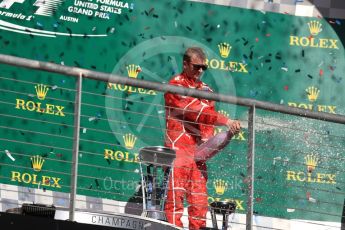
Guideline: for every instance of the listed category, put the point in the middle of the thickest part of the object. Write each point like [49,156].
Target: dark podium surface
[92,221]
[17,221]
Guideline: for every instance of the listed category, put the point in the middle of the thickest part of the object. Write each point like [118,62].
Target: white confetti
[62,63]
[31,95]
[161,111]
[286,161]
[218,26]
[136,170]
[290,210]
[175,23]
[285,69]
[321,64]
[54,87]
[137,188]
[276,158]
[311,199]
[84,130]
[281,101]
[9,155]
[92,118]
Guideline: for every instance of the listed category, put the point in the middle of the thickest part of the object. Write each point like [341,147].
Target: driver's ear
[185,63]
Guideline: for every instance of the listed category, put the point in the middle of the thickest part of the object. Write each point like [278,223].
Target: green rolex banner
[280,58]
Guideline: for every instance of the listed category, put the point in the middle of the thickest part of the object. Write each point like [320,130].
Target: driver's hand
[234,126]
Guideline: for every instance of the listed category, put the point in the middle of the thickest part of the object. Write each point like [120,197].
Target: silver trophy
[213,146]
[155,165]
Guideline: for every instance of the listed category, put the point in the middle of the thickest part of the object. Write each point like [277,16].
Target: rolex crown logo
[315,27]
[133,70]
[41,91]
[220,129]
[129,140]
[313,93]
[223,113]
[221,186]
[37,162]
[217,130]
[224,49]
[311,162]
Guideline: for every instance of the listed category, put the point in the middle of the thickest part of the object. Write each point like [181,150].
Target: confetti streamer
[286,161]
[312,200]
[92,118]
[258,199]
[276,158]
[137,188]
[9,155]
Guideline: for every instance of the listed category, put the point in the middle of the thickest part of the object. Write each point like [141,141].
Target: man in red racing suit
[190,122]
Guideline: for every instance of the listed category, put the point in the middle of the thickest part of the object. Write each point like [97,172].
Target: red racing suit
[189,122]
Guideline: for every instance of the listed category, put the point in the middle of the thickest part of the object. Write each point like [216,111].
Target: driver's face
[195,67]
